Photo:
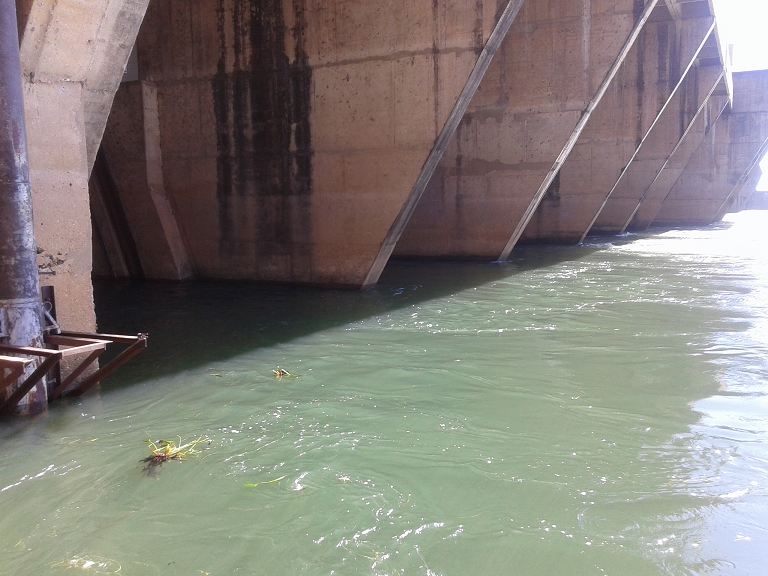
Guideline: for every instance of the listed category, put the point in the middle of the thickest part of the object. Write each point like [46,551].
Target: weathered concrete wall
[724,157]
[73,54]
[676,164]
[743,195]
[758,201]
[132,149]
[621,122]
[675,123]
[292,132]
[550,67]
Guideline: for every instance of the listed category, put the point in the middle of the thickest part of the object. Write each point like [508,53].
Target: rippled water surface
[593,410]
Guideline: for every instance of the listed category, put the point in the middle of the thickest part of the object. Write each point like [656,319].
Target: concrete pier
[725,155]
[552,73]
[651,78]
[307,141]
[674,124]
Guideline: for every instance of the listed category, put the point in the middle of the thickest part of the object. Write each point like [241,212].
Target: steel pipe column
[21,321]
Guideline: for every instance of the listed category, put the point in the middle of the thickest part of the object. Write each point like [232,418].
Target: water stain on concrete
[264,146]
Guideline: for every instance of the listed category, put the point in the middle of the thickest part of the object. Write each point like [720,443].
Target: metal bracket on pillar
[69,345]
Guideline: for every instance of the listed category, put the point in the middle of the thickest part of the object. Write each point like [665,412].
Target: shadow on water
[192,324]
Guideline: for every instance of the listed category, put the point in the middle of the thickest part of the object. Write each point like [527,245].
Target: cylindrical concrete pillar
[21,319]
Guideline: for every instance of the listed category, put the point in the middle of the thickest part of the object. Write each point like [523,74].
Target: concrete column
[21,321]
[73,55]
[132,147]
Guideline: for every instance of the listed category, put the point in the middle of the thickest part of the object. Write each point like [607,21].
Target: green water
[593,410]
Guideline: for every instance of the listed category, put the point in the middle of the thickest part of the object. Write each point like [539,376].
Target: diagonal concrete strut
[648,132]
[742,182]
[682,139]
[441,144]
[639,25]
[711,127]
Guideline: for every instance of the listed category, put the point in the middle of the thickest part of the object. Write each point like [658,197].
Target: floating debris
[164,450]
[267,482]
[280,374]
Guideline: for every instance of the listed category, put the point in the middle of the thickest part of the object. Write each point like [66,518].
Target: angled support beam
[678,162]
[460,108]
[76,346]
[571,142]
[672,96]
[674,150]
[15,367]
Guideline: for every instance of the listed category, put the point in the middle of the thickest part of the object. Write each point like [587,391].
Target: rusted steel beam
[139,343]
[51,358]
[20,308]
[77,345]
[117,338]
[87,361]
[16,368]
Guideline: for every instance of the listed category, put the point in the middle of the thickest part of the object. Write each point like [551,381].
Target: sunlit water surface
[593,410]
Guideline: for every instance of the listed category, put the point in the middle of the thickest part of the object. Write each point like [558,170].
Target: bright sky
[744,23]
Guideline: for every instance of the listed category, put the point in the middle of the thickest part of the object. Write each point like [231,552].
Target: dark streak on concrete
[262,104]
[665,72]
[640,84]
[436,63]
[477,32]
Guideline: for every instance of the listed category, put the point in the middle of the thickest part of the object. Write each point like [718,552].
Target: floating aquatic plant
[267,482]
[280,374]
[164,450]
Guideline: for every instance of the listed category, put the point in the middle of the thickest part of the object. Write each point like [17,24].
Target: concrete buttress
[674,124]
[724,158]
[676,164]
[652,74]
[73,55]
[293,132]
[552,70]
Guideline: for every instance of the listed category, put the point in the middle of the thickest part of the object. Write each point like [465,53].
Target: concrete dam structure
[308,141]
